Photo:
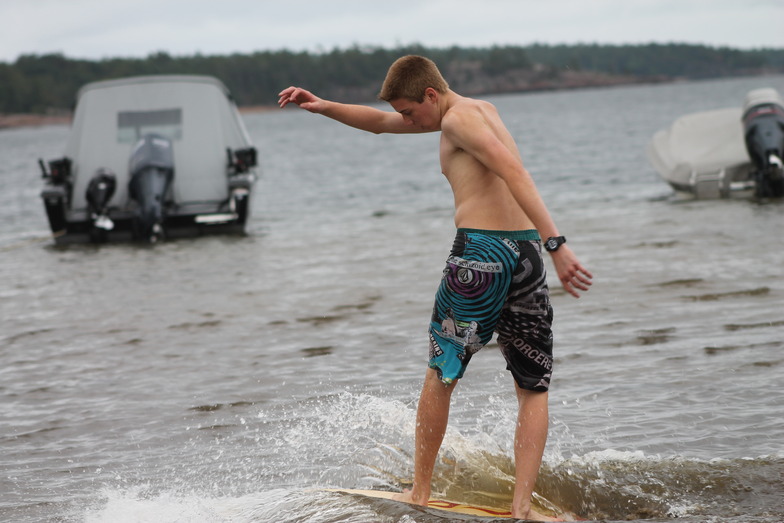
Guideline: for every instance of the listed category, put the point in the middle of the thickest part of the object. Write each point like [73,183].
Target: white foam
[131,506]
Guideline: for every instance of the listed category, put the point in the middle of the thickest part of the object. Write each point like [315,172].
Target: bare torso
[482,199]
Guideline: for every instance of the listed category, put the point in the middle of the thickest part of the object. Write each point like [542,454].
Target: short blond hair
[409,76]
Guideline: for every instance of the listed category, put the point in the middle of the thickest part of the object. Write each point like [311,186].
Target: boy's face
[425,115]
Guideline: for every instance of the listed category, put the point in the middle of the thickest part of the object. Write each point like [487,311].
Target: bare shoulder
[467,113]
[469,123]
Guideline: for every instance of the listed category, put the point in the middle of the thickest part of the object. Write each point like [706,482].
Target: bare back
[482,198]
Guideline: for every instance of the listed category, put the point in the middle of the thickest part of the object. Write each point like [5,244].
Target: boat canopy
[195,112]
[699,143]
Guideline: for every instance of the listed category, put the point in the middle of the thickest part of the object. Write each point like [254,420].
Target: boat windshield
[132,125]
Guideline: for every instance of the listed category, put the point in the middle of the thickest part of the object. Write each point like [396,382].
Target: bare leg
[432,418]
[530,439]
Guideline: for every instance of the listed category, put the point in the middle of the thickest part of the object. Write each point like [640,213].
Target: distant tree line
[48,83]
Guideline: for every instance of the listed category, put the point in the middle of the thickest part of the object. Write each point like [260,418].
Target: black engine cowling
[151,170]
[763,127]
[99,193]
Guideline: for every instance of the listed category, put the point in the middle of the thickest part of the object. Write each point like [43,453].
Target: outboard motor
[57,192]
[241,161]
[151,169]
[99,192]
[763,127]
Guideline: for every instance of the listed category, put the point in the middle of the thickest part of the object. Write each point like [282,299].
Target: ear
[431,95]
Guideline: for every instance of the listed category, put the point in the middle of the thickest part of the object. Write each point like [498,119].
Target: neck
[447,100]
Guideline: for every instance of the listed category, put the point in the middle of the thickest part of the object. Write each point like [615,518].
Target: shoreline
[18,120]
[569,80]
[14,121]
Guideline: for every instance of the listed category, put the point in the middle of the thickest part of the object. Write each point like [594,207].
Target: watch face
[553,243]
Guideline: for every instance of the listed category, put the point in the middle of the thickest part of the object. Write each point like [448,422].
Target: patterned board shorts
[494,281]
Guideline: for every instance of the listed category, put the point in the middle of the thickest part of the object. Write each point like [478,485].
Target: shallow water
[232,378]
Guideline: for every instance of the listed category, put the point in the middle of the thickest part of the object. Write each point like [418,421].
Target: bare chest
[456,162]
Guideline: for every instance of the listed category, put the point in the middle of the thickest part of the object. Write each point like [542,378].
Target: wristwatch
[553,242]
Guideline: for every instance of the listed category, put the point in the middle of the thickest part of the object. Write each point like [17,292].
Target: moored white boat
[148,157]
[725,152]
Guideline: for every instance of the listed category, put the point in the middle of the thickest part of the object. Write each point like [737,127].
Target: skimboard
[439,504]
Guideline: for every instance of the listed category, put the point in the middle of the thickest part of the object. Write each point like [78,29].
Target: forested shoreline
[47,84]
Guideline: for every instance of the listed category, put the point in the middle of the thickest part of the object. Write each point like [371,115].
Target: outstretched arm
[360,116]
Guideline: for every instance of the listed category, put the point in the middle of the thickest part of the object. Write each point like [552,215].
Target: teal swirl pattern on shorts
[481,274]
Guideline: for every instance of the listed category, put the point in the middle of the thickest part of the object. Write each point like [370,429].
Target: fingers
[577,280]
[299,96]
[292,94]
[287,96]
[587,274]
[582,279]
[574,277]
[568,288]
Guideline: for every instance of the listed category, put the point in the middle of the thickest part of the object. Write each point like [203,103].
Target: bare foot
[536,516]
[407,496]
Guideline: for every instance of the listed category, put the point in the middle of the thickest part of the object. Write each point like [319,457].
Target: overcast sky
[97,29]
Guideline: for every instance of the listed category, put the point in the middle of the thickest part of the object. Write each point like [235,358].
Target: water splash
[358,440]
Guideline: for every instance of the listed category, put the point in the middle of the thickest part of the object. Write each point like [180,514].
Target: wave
[630,485]
[363,441]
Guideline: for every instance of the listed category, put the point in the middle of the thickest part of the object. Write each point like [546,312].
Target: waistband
[524,235]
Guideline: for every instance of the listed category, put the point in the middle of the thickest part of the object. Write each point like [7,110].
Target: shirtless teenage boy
[494,279]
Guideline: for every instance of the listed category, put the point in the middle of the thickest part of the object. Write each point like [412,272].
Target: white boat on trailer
[732,152]
[151,157]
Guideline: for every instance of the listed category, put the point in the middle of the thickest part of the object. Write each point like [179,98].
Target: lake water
[233,378]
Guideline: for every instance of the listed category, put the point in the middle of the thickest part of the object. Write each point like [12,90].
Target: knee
[526,395]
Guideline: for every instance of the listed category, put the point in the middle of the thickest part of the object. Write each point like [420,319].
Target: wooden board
[440,504]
